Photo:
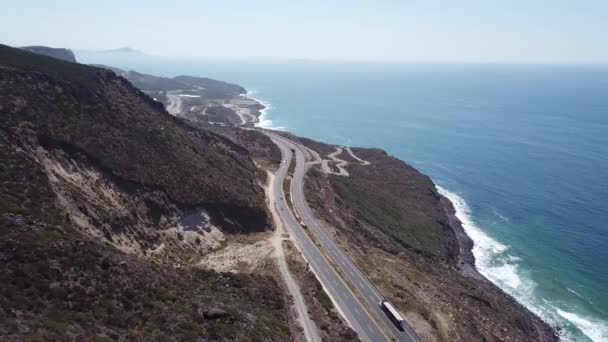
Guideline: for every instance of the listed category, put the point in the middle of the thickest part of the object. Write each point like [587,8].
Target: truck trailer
[392,314]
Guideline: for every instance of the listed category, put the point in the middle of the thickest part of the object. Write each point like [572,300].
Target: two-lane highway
[363,286]
[343,298]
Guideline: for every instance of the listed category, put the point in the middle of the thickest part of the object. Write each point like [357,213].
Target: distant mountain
[205,87]
[64,54]
[125,50]
[121,51]
[111,56]
[117,71]
[214,88]
[146,82]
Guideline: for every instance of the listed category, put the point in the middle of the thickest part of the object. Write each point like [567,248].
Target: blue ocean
[522,152]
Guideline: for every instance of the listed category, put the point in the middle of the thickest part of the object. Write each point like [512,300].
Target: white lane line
[323,269]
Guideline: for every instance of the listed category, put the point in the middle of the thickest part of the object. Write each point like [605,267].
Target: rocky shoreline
[468,268]
[406,237]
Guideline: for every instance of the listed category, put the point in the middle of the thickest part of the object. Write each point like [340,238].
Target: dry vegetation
[333,328]
[105,200]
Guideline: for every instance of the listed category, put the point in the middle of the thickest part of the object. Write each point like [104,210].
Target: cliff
[63,54]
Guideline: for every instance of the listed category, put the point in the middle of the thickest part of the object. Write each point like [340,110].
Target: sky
[486,31]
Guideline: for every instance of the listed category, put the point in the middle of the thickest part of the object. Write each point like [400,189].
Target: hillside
[93,113]
[403,234]
[206,87]
[102,189]
[64,54]
[199,100]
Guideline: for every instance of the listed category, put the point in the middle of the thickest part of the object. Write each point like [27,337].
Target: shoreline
[463,226]
[262,120]
[468,266]
[468,236]
[487,248]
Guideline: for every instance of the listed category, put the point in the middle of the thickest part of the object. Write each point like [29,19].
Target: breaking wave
[492,259]
[263,120]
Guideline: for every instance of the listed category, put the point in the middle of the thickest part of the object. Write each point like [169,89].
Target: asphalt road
[359,319]
[346,302]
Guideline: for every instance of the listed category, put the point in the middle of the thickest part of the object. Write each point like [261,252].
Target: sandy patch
[238,257]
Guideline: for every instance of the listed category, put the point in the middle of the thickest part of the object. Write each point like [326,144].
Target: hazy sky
[517,31]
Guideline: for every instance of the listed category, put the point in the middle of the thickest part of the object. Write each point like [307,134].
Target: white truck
[392,314]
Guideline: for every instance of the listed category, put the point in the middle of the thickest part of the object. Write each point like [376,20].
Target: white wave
[579,295]
[490,255]
[494,263]
[573,292]
[501,216]
[597,331]
[263,120]
[188,95]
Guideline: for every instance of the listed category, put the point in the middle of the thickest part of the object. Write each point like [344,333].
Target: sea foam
[491,257]
[263,120]
[495,263]
[595,330]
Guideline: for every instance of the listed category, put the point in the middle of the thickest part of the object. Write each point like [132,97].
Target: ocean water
[522,152]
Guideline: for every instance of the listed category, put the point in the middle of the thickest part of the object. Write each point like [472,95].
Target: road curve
[349,270]
[338,291]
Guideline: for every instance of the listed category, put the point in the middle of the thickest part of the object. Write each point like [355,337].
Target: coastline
[458,220]
[254,113]
[478,259]
[262,120]
[418,253]
[469,238]
[468,266]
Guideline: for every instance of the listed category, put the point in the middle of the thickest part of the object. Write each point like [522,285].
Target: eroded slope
[102,195]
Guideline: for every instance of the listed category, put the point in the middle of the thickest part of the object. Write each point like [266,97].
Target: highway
[352,309]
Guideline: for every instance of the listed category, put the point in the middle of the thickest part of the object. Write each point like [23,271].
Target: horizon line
[128,50]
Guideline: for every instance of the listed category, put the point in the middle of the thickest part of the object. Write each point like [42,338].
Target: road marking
[330,246]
